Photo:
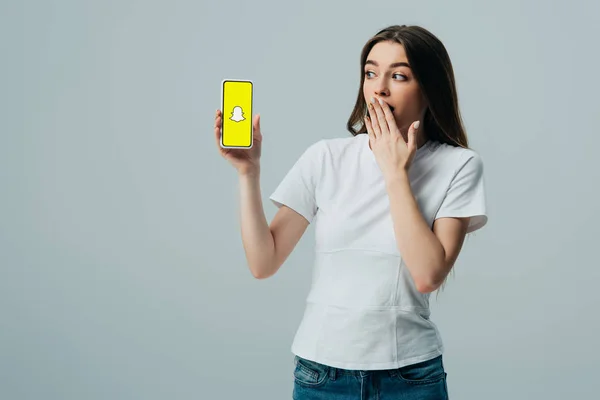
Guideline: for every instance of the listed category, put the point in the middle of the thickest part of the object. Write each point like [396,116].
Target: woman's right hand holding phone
[245,161]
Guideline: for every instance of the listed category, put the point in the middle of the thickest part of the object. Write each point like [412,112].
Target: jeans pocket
[422,373]
[310,373]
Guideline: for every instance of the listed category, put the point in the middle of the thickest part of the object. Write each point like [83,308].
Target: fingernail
[373,100]
[380,101]
[417,124]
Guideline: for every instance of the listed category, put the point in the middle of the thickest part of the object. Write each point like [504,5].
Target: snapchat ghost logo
[237,114]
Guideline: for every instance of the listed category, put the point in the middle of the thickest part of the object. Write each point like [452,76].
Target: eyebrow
[394,65]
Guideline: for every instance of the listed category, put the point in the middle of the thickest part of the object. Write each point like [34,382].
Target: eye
[396,76]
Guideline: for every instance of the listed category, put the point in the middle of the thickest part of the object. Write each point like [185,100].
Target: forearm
[257,239]
[421,250]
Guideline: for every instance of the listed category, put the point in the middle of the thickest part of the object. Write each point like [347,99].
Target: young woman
[391,206]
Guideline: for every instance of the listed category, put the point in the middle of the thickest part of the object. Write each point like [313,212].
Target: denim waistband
[335,372]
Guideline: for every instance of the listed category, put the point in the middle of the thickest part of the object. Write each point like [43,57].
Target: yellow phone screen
[237,114]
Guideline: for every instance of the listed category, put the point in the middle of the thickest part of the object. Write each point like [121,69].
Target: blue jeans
[423,381]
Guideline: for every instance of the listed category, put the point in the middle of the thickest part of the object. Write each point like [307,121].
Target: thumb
[256,126]
[256,122]
[412,134]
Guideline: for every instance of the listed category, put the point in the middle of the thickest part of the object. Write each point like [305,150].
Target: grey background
[122,269]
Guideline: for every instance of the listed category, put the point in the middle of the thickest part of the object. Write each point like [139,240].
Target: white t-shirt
[363,311]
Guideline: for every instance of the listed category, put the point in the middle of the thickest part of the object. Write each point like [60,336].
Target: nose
[381,89]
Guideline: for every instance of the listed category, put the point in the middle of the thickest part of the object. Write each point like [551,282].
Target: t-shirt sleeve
[466,195]
[297,190]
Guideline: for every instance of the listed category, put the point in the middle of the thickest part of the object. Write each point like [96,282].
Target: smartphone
[236,106]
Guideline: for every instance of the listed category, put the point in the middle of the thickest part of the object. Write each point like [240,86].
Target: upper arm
[287,228]
[451,233]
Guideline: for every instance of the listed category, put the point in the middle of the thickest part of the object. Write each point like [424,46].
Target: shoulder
[313,150]
[340,143]
[456,157]
[343,148]
[332,146]
[470,161]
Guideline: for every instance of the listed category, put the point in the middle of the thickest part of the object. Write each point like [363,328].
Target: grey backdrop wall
[122,273]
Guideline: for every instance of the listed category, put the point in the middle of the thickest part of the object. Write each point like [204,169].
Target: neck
[421,138]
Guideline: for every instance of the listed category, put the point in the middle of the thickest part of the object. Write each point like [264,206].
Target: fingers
[374,120]
[217,127]
[378,107]
[369,127]
[412,135]
[256,126]
[387,114]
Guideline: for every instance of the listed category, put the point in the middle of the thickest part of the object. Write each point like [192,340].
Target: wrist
[250,172]
[399,175]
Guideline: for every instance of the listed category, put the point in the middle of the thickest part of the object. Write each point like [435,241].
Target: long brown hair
[431,67]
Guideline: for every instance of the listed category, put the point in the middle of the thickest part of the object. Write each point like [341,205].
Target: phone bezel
[251,111]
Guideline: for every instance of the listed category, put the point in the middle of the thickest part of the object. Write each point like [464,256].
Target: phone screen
[237,114]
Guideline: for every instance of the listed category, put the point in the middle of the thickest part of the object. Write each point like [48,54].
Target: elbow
[428,284]
[259,274]
[432,280]
[425,286]
[262,272]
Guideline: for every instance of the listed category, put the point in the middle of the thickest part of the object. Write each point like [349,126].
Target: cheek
[368,87]
[366,97]
[409,102]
